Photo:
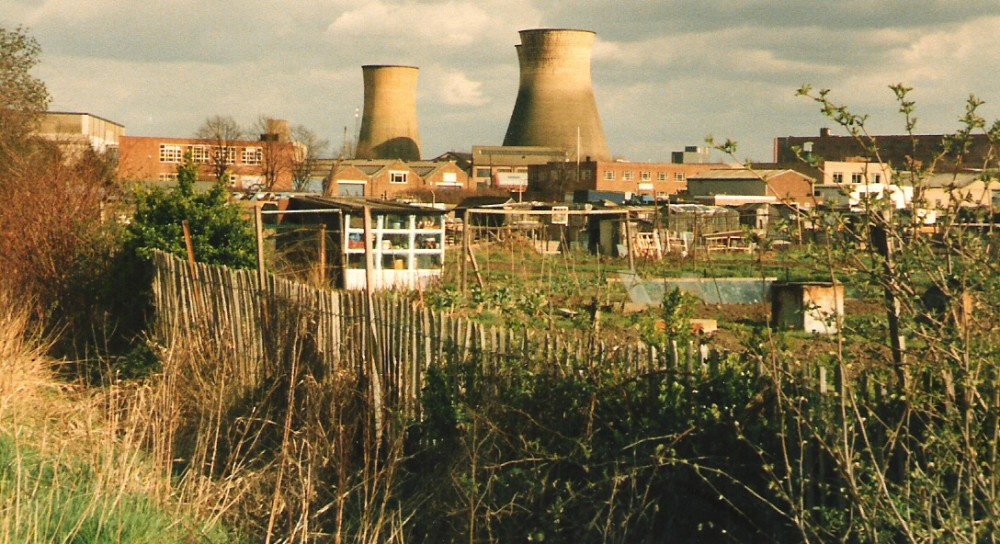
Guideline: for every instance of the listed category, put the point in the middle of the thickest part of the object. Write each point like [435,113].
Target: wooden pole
[322,254]
[192,264]
[475,268]
[258,223]
[466,247]
[373,372]
[188,242]
[628,243]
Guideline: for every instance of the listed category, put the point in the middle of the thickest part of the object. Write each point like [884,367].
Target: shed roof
[308,202]
[957,181]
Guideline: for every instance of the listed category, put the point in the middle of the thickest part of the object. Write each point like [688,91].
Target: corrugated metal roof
[309,202]
[957,181]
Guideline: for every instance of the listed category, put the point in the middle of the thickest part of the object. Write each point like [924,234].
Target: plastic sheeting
[709,290]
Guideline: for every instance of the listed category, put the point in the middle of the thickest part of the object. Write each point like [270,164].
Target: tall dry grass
[284,447]
[72,465]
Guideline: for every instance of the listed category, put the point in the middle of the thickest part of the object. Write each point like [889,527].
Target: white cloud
[653,51]
[451,24]
[458,90]
[665,73]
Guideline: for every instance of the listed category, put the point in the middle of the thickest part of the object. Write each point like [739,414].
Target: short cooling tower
[389,128]
[555,100]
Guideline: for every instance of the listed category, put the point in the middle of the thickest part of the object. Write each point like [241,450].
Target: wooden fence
[400,339]
[401,336]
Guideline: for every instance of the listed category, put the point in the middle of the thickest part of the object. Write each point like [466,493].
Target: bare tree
[223,131]
[308,149]
[277,150]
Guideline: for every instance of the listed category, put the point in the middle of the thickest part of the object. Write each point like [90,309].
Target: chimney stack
[278,130]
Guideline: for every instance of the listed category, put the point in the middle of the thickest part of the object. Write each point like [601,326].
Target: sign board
[560,215]
[511,179]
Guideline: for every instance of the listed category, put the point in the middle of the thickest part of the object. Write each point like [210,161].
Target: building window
[838,177]
[450,179]
[168,177]
[679,176]
[878,178]
[224,155]
[199,153]
[857,178]
[482,172]
[397,177]
[170,153]
[645,176]
[627,175]
[661,176]
[609,175]
[252,155]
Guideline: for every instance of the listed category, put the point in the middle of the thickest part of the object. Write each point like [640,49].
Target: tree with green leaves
[900,441]
[219,231]
[23,97]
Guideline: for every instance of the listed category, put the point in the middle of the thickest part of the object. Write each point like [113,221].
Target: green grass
[46,498]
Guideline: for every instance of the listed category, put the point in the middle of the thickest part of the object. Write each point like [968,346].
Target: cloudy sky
[666,73]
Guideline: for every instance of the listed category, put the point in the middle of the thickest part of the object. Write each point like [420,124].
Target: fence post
[372,334]
[258,224]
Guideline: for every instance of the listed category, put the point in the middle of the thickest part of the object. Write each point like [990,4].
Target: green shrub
[219,232]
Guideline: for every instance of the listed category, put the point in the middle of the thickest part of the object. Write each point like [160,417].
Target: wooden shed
[406,242]
[809,306]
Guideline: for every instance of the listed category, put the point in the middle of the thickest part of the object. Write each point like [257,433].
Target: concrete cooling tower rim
[557,30]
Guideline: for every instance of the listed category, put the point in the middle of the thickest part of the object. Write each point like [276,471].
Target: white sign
[511,179]
[559,215]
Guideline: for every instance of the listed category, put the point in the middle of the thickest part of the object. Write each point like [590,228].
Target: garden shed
[406,248]
[700,219]
[816,307]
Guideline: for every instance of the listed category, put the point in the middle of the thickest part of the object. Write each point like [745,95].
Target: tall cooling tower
[389,128]
[555,100]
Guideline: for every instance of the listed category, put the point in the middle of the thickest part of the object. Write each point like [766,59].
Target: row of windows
[628,175]
[487,171]
[856,177]
[203,154]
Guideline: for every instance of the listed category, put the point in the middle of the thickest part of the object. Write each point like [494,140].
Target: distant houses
[836,177]
[738,186]
[387,178]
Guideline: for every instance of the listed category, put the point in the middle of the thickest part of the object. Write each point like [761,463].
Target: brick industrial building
[555,180]
[894,150]
[154,158]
